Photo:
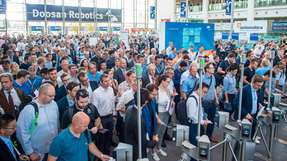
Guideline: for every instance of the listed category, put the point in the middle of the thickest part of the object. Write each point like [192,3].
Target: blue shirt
[189,85]
[35,82]
[209,80]
[26,88]
[9,144]
[96,77]
[229,84]
[254,100]
[67,147]
[261,71]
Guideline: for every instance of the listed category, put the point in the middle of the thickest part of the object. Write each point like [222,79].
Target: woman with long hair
[84,64]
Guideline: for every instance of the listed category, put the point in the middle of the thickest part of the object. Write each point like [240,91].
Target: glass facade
[268,3]
[216,5]
[17,20]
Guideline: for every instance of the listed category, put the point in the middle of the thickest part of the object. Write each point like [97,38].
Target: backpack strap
[35,119]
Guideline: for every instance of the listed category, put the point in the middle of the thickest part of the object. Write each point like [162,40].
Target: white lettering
[35,13]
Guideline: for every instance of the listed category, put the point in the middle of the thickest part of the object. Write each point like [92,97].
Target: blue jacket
[246,107]
[149,117]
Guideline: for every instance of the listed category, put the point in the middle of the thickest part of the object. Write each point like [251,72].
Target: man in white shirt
[192,106]
[104,100]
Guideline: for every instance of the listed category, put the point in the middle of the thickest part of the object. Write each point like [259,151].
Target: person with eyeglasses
[6,64]
[12,100]
[210,100]
[38,123]
[74,143]
[10,149]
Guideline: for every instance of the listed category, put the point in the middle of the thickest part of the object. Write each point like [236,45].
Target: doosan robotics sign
[87,14]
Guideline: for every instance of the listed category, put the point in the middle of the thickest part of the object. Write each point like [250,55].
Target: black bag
[181,111]
[227,107]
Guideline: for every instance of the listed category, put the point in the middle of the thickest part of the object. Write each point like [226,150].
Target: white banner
[259,26]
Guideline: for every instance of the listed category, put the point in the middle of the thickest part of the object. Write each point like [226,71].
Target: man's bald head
[80,117]
[80,122]
[46,93]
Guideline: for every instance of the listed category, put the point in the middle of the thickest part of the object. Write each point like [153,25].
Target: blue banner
[55,28]
[102,28]
[182,13]
[116,28]
[254,37]
[279,26]
[37,28]
[228,7]
[187,34]
[36,12]
[225,36]
[235,36]
[152,12]
[2,6]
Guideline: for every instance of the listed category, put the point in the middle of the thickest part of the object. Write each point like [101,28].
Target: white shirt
[14,94]
[192,109]
[163,100]
[104,100]
[126,97]
[124,86]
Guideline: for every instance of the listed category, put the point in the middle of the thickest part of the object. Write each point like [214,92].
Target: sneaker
[163,153]
[257,140]
[155,156]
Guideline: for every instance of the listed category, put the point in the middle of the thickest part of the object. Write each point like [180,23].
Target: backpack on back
[181,111]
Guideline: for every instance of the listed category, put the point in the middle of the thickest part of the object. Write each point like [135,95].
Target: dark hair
[72,85]
[44,71]
[253,61]
[64,75]
[130,72]
[64,58]
[104,76]
[257,78]
[22,73]
[207,66]
[151,87]
[182,64]
[232,67]
[82,93]
[231,55]
[81,74]
[71,66]
[204,85]
[144,96]
[51,70]
[107,71]
[5,119]
[162,78]
[248,53]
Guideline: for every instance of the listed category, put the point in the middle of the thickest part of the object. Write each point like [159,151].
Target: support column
[250,10]
[205,10]
[166,12]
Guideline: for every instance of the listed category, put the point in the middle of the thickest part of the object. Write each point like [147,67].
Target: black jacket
[131,132]
[60,92]
[5,153]
[119,75]
[63,105]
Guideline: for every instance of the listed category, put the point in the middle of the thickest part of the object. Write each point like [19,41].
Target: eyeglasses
[10,128]
[6,62]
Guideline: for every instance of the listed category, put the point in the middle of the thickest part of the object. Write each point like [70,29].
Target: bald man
[38,122]
[74,142]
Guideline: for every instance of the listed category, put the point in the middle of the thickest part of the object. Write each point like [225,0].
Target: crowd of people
[63,98]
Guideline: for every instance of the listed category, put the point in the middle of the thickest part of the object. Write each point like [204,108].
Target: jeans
[193,135]
[210,110]
[164,116]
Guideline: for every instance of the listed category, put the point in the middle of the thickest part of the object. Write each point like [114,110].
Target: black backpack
[181,111]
